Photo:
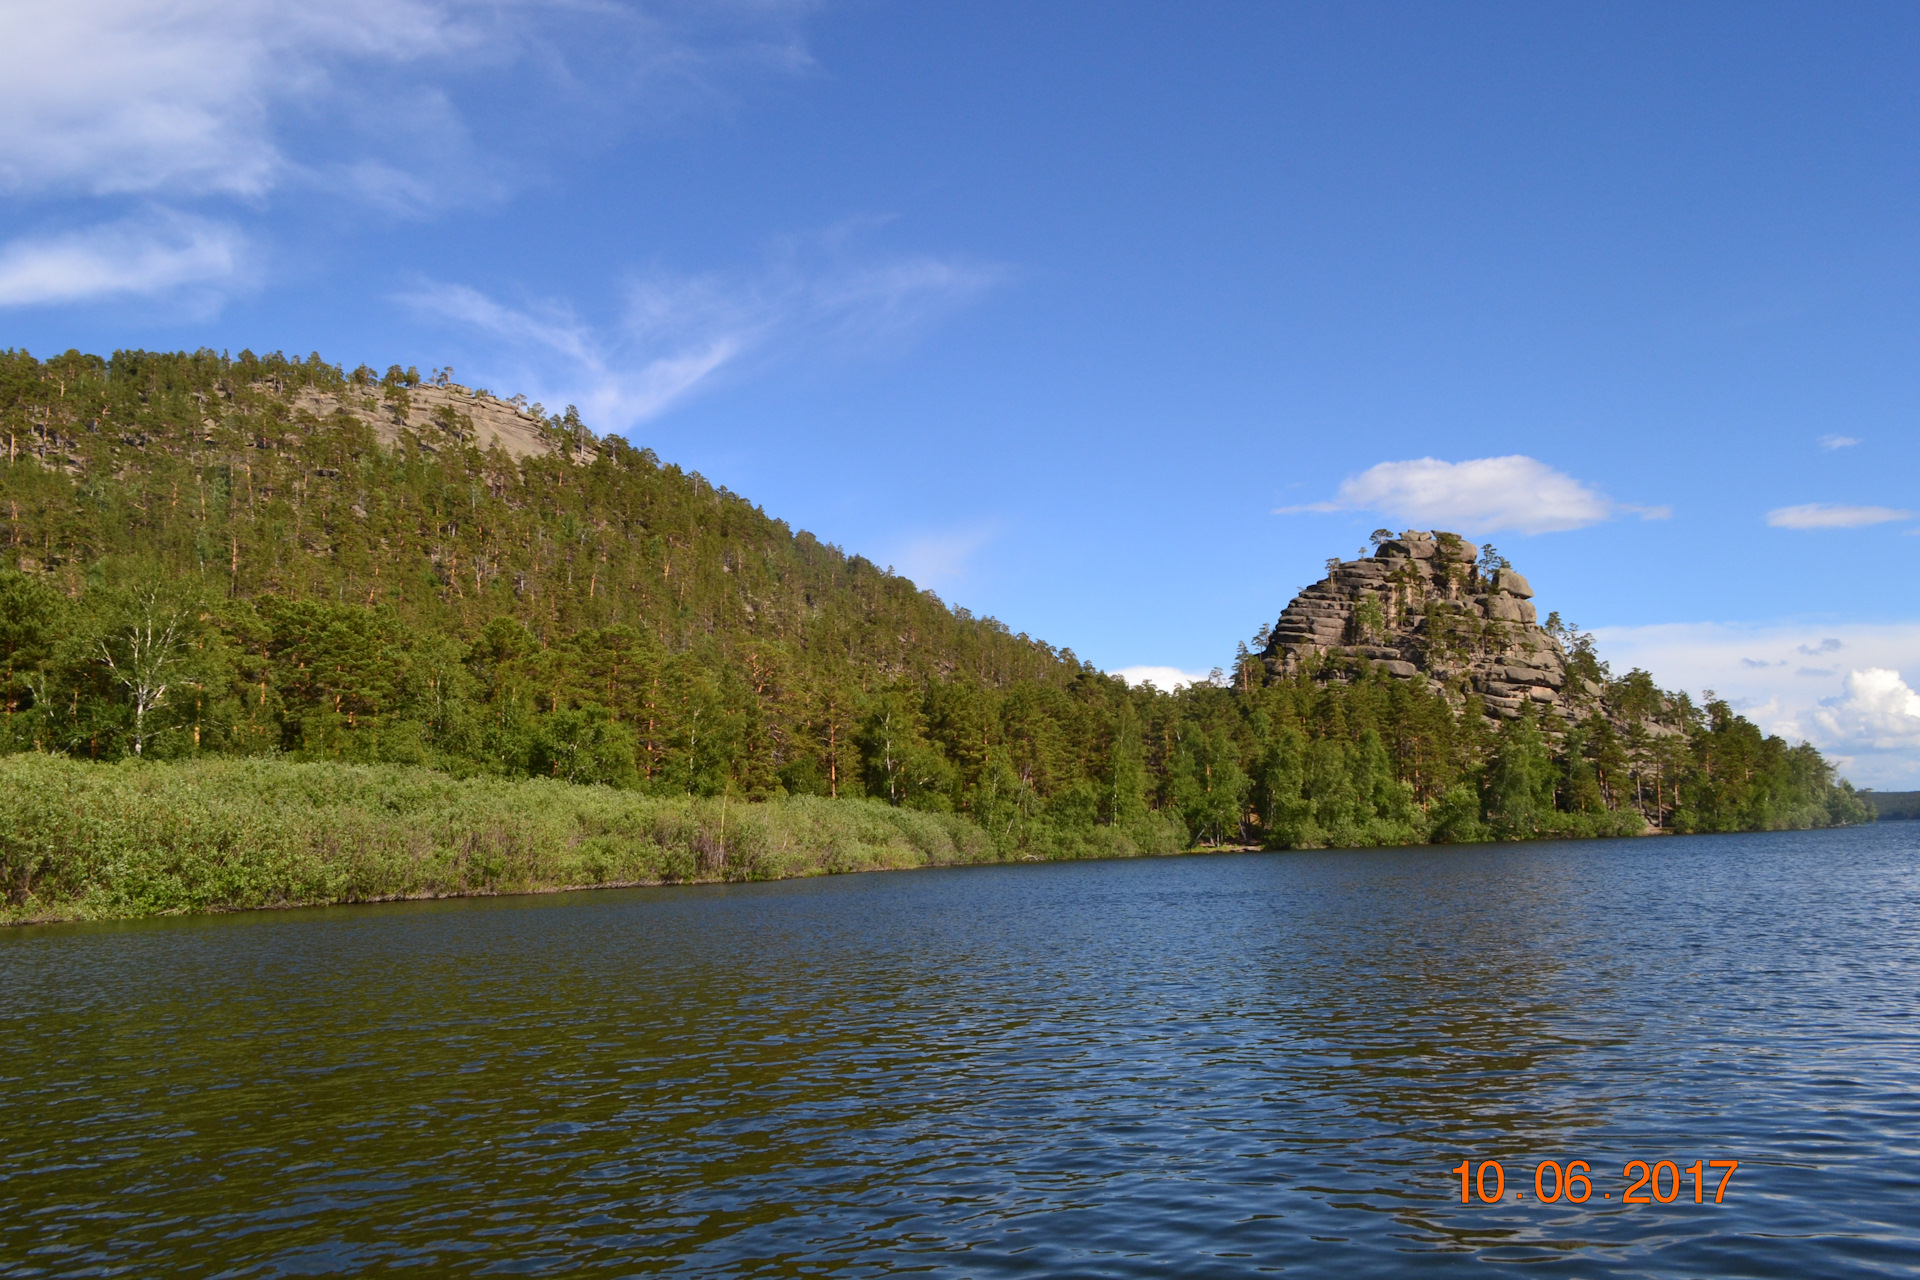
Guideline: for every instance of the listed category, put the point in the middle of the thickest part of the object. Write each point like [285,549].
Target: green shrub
[83,840]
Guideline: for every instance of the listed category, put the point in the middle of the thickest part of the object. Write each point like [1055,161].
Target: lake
[1203,1066]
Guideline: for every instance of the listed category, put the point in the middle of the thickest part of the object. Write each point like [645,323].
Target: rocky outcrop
[444,411]
[1422,608]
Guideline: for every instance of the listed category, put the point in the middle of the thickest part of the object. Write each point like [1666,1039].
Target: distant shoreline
[81,841]
[1894,806]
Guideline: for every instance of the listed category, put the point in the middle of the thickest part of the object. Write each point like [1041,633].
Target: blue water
[1204,1066]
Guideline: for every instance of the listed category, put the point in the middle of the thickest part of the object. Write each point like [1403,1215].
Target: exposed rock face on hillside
[1422,609]
[444,410]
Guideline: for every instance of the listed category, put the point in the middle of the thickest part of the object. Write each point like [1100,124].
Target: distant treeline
[201,568]
[1894,805]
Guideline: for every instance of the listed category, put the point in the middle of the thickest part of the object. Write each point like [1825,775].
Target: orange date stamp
[1573,1181]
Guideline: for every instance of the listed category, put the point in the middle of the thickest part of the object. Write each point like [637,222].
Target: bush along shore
[83,841]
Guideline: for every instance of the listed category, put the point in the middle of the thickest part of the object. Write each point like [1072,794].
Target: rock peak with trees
[1430,607]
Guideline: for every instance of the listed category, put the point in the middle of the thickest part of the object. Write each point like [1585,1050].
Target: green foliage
[1737,779]
[1519,786]
[198,566]
[83,841]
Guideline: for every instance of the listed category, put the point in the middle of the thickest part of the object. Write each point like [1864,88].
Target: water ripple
[1222,1066]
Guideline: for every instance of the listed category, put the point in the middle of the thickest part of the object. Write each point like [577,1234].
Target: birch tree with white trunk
[146,655]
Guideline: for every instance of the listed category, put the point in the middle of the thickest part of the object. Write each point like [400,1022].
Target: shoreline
[83,842]
[656,883]
[711,880]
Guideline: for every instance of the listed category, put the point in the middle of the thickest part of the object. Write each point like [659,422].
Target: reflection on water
[1201,1066]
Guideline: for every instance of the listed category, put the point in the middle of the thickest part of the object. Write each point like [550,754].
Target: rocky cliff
[444,411]
[1425,608]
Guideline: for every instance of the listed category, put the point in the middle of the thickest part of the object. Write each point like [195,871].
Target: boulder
[1512,583]
[1505,608]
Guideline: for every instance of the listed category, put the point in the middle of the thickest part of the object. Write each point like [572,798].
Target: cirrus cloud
[679,332]
[233,98]
[147,254]
[214,109]
[1480,495]
[106,96]
[1828,515]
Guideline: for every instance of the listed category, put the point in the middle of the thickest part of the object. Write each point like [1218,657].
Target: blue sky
[1113,321]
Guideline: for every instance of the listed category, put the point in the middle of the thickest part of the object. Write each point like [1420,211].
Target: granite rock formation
[1422,608]
[444,411]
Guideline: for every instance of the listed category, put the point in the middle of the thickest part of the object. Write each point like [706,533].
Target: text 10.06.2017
[1665,1179]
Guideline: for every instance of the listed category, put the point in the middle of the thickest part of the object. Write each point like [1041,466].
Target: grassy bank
[94,841]
[81,840]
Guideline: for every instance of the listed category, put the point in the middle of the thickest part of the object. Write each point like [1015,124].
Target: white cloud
[1831,443]
[1166,679]
[1843,708]
[237,97]
[117,96]
[1876,711]
[1482,495]
[148,254]
[1824,515]
[677,333]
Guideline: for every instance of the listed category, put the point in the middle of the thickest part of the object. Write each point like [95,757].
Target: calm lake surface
[1204,1066]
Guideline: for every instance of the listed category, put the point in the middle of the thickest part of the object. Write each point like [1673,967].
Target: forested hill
[262,555]
[222,471]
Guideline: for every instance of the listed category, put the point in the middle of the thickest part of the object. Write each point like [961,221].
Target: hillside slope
[257,477]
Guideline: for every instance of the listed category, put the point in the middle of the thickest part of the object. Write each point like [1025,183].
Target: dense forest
[202,562]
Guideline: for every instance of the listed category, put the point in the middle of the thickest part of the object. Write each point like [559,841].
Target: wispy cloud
[628,379]
[147,254]
[220,108]
[942,561]
[114,96]
[193,97]
[678,332]
[1852,707]
[1825,515]
[1482,495]
[1831,443]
